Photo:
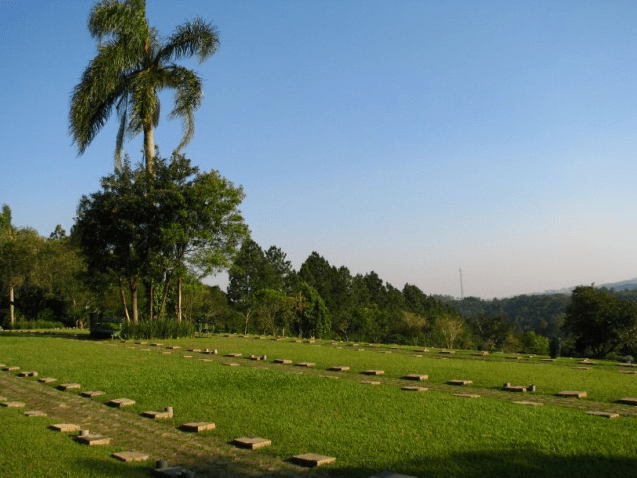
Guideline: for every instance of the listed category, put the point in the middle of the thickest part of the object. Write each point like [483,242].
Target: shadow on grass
[518,463]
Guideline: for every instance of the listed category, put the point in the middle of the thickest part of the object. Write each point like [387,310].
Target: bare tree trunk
[133,299]
[179,299]
[151,298]
[167,283]
[11,306]
[122,296]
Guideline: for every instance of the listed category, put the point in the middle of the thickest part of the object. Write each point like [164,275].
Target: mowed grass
[367,428]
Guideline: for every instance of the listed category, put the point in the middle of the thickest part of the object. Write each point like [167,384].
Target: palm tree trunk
[149,147]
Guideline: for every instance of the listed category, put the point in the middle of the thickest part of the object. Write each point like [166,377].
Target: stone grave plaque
[35,413]
[3,399]
[515,388]
[173,472]
[416,377]
[194,350]
[372,372]
[92,393]
[159,414]
[513,358]
[548,360]
[447,352]
[421,350]
[312,459]
[571,394]
[156,345]
[604,414]
[459,383]
[28,374]
[68,386]
[127,456]
[531,404]
[285,361]
[480,354]
[466,395]
[370,382]
[339,368]
[92,440]
[234,355]
[390,474]
[628,372]
[628,401]
[13,404]
[121,402]
[580,368]
[197,426]
[65,427]
[305,364]
[231,364]
[252,443]
[11,369]
[174,347]
[415,389]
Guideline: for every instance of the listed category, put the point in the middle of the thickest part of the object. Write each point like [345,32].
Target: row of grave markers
[92,439]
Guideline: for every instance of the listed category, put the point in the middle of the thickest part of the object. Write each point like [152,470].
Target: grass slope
[368,428]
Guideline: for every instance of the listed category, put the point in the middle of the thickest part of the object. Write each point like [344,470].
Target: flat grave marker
[121,402]
[159,414]
[531,404]
[234,355]
[305,364]
[571,394]
[370,382]
[460,383]
[197,427]
[339,368]
[35,413]
[604,414]
[28,374]
[390,474]
[283,361]
[628,401]
[128,456]
[92,393]
[13,404]
[231,364]
[312,459]
[253,443]
[68,386]
[65,427]
[417,377]
[11,369]
[466,395]
[92,440]
[415,389]
[372,372]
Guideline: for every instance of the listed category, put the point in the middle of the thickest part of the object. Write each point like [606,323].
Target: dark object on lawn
[105,327]
[628,359]
[555,347]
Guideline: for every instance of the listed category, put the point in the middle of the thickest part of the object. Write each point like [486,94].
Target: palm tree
[131,67]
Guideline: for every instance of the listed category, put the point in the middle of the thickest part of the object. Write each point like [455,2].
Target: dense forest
[57,282]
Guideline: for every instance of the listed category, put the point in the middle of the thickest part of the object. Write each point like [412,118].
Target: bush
[157,329]
[37,324]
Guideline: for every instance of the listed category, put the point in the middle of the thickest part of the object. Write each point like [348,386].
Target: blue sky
[408,137]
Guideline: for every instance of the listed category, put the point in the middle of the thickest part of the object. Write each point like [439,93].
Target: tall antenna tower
[461,288]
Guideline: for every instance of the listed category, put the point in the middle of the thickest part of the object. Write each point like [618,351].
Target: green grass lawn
[368,428]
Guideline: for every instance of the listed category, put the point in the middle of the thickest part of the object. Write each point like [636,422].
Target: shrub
[158,329]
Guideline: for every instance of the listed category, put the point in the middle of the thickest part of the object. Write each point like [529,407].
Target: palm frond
[188,96]
[196,38]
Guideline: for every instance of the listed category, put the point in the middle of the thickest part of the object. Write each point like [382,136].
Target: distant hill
[630,284]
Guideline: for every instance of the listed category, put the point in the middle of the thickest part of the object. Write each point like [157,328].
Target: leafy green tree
[166,224]
[19,255]
[490,330]
[600,322]
[131,67]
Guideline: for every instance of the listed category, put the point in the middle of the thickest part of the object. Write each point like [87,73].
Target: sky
[412,138]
